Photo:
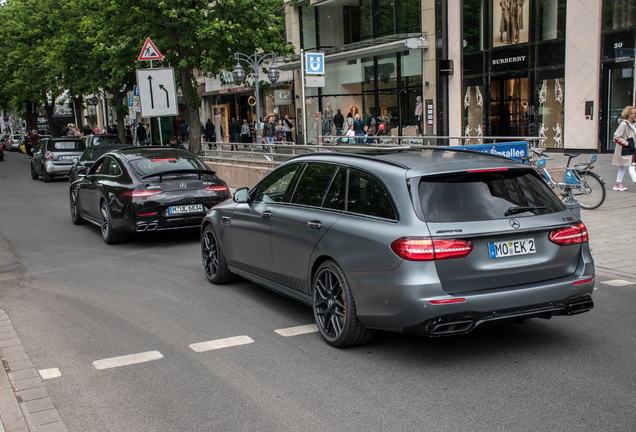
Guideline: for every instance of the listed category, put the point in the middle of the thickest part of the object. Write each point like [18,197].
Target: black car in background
[99,139]
[88,158]
[145,189]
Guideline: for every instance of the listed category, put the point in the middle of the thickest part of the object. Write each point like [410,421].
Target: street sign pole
[304,103]
[159,118]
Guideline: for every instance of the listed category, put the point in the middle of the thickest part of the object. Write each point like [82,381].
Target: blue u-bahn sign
[315,63]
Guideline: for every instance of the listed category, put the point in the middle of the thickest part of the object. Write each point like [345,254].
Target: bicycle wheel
[591,194]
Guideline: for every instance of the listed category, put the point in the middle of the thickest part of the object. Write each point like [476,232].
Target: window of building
[552,19]
[619,14]
[473,25]
[550,112]
[308,24]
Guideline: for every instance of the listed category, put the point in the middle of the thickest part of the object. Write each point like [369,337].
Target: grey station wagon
[434,241]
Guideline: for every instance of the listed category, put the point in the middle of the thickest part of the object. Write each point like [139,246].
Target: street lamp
[256,61]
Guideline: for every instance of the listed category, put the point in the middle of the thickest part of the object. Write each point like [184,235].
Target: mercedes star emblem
[515,223]
[182,185]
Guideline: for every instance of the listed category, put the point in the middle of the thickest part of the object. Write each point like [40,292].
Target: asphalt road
[79,301]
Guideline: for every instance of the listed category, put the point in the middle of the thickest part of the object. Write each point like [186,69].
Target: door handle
[314,225]
[266,214]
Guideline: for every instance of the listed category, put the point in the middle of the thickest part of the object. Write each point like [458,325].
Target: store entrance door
[618,92]
[509,106]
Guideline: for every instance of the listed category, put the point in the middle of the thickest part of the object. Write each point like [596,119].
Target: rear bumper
[400,300]
[55,169]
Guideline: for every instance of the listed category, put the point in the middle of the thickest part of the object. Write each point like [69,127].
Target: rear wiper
[515,210]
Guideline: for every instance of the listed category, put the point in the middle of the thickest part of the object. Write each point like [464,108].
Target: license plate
[194,208]
[67,157]
[512,248]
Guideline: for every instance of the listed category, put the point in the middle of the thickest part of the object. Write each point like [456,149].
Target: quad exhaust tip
[452,328]
[580,306]
[141,227]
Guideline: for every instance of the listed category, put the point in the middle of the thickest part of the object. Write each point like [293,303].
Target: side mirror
[241,195]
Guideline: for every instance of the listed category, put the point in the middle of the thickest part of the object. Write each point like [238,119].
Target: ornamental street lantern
[256,61]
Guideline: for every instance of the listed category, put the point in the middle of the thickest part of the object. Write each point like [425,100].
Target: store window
[387,71]
[550,120]
[411,68]
[473,25]
[510,22]
[409,16]
[473,113]
[366,19]
[619,14]
[384,14]
[552,22]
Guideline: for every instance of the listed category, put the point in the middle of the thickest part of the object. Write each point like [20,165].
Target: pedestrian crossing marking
[126,360]
[619,282]
[220,343]
[295,331]
[50,373]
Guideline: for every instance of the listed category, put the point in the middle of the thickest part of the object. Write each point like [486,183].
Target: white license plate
[512,248]
[67,157]
[194,208]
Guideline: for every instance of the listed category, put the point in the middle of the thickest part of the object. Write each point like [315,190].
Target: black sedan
[146,189]
[88,158]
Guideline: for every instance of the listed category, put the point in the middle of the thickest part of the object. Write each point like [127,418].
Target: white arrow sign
[157,92]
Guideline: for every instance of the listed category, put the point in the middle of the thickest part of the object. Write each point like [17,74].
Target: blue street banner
[315,63]
[512,150]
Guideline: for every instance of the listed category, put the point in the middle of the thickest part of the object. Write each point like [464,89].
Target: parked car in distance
[88,158]
[53,157]
[1,153]
[4,140]
[15,142]
[434,242]
[94,140]
[145,189]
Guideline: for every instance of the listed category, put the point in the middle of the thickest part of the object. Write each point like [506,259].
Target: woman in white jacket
[625,138]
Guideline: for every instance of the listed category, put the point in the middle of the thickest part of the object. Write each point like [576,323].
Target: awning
[387,48]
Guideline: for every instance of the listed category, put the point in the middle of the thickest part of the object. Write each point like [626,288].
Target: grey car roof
[421,162]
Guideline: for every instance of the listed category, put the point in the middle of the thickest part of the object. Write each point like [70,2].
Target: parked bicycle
[579,182]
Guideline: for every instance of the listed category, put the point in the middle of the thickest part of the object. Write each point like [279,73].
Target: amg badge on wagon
[434,242]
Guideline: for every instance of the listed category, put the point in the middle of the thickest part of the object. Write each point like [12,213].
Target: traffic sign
[157,92]
[135,90]
[315,63]
[149,51]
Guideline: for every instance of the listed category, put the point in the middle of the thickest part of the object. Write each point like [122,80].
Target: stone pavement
[25,405]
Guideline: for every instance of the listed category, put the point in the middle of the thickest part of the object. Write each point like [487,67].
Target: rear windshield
[106,140]
[65,146]
[156,165]
[485,196]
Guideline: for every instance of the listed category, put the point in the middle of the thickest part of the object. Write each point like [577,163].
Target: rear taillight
[570,235]
[138,194]
[424,249]
[216,188]
[448,301]
[48,155]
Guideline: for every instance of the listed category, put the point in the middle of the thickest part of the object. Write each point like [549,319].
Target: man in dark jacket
[210,134]
[338,121]
[235,130]
[269,130]
[141,134]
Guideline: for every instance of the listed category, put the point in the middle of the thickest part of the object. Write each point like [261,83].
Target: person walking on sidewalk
[185,131]
[625,138]
[338,121]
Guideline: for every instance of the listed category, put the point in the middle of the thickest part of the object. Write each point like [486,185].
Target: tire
[75,217]
[45,176]
[214,263]
[592,194]
[335,309]
[110,237]
[34,175]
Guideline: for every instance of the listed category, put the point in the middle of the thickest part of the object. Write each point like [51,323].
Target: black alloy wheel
[214,262]
[34,175]
[335,309]
[45,176]
[109,236]
[75,217]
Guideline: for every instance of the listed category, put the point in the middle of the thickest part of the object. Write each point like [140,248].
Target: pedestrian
[31,143]
[96,130]
[349,136]
[246,133]
[185,131]
[269,130]
[625,138]
[280,131]
[338,121]
[147,136]
[358,125]
[348,122]
[367,136]
[235,130]
[287,126]
[88,131]
[129,135]
[210,134]
[141,134]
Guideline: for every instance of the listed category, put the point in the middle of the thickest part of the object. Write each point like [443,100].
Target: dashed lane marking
[619,282]
[295,331]
[221,343]
[126,360]
[50,373]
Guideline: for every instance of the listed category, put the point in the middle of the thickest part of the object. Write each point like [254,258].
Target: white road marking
[126,360]
[221,343]
[295,331]
[618,282]
[50,373]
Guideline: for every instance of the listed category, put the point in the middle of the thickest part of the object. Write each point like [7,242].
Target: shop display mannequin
[354,109]
[327,120]
[418,113]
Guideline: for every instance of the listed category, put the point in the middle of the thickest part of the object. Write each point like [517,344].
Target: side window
[87,154]
[110,167]
[335,198]
[276,187]
[313,184]
[368,196]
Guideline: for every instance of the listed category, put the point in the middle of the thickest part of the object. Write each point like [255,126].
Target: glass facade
[513,56]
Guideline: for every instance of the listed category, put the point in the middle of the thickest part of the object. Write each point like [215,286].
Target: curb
[25,405]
